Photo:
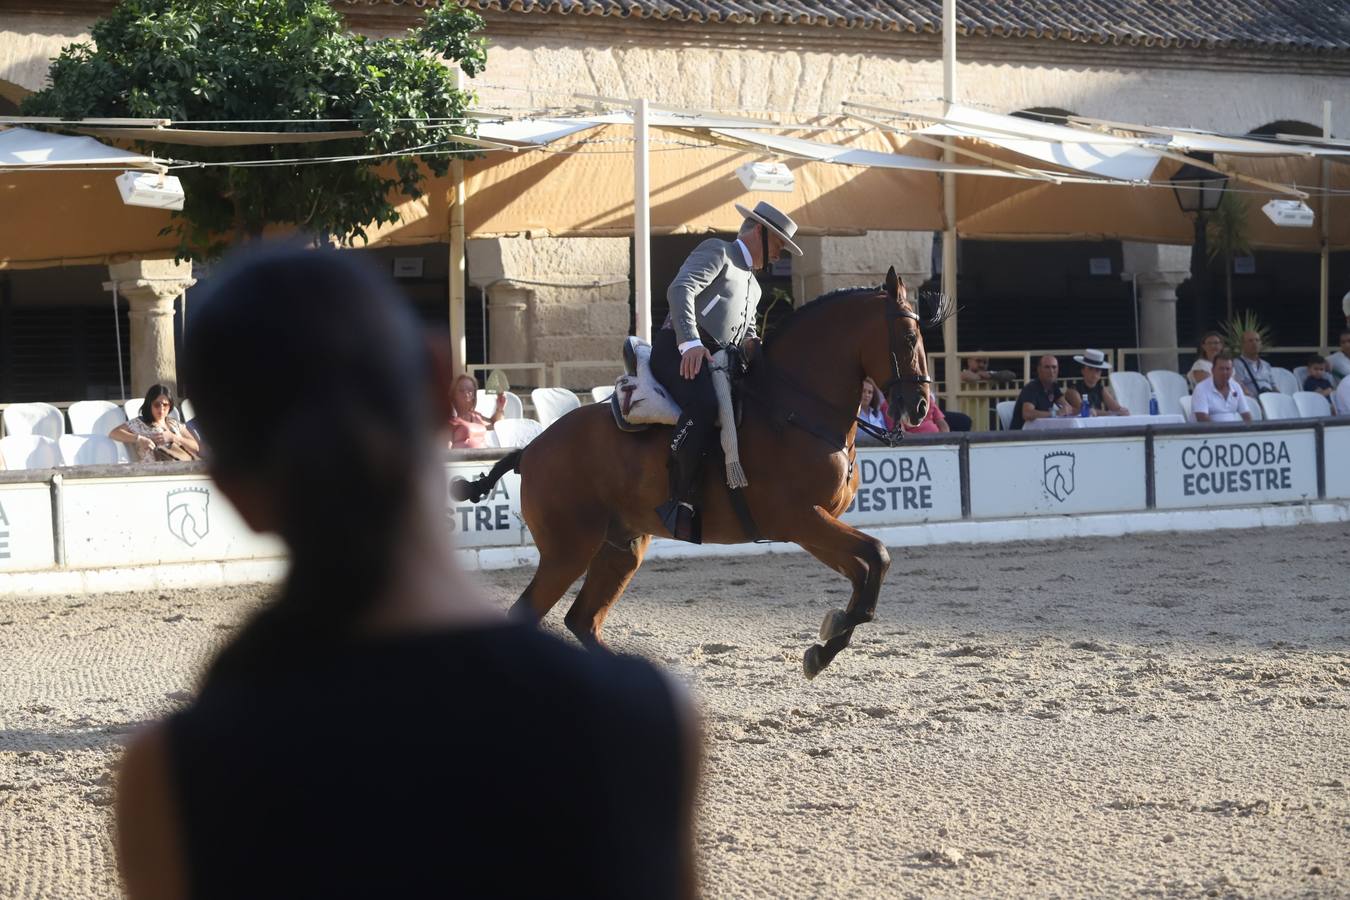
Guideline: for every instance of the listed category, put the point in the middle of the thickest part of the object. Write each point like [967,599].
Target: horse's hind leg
[863,560]
[563,557]
[607,578]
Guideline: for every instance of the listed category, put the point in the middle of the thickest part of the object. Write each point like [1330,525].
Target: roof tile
[1306,25]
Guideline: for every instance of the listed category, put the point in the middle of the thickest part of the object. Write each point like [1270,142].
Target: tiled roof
[1317,25]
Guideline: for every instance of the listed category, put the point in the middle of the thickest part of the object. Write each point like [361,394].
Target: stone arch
[1287,126]
[1052,115]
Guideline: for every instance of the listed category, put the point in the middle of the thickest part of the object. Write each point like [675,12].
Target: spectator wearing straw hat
[1092,385]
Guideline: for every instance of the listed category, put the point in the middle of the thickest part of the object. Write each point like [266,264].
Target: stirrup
[682,520]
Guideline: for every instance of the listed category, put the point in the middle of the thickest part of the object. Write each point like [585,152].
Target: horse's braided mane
[807,312]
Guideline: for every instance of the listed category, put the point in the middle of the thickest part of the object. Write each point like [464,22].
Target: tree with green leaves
[278,65]
[1229,237]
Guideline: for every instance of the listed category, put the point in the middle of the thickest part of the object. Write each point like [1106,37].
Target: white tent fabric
[24,148]
[851,156]
[1104,155]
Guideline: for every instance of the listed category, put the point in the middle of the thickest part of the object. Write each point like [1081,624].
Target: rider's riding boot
[679,514]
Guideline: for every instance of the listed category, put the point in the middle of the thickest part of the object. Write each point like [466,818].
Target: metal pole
[642,224]
[1325,281]
[117,330]
[459,341]
[951,364]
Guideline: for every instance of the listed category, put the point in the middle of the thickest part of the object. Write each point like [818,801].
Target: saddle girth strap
[742,508]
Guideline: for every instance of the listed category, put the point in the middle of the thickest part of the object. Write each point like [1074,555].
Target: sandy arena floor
[1092,718]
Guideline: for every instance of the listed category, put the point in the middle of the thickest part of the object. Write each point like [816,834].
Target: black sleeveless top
[491,762]
[1096,396]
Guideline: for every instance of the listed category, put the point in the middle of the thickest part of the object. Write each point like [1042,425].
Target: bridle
[895,433]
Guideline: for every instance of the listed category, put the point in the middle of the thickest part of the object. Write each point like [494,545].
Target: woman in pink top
[468,429]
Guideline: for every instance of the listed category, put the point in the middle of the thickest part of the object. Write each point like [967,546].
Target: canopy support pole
[951,367]
[459,340]
[1325,279]
[642,224]
[117,330]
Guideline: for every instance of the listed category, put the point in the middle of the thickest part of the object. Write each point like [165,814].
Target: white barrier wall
[496,521]
[26,541]
[1336,460]
[1049,478]
[110,520]
[1236,469]
[146,521]
[904,486]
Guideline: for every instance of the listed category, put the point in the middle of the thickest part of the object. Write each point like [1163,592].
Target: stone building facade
[558,298]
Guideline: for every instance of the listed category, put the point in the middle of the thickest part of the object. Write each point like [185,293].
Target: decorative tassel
[736,475]
[727,417]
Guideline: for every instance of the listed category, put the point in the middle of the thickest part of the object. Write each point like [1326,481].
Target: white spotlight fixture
[766,176]
[1289,213]
[157,190]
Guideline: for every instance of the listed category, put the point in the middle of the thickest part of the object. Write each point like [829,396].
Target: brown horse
[589,491]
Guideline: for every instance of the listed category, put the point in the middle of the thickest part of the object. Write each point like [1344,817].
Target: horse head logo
[1059,479]
[188,520]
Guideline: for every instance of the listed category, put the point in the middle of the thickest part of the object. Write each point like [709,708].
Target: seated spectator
[1042,397]
[1317,380]
[1210,346]
[976,371]
[1340,360]
[376,729]
[468,428]
[1253,374]
[1219,398]
[1101,399]
[154,434]
[872,410]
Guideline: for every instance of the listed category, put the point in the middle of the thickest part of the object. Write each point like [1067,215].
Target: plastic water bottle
[1152,404]
[1086,411]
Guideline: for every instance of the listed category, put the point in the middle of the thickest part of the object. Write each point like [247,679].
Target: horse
[589,491]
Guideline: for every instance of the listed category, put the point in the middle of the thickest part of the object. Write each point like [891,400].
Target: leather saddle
[640,401]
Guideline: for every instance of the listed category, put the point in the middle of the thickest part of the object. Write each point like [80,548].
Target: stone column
[1157,270]
[151,286]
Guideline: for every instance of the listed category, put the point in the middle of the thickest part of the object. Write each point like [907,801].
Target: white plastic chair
[1005,414]
[186,411]
[1300,376]
[95,416]
[1184,407]
[1254,407]
[1170,387]
[1132,391]
[1312,405]
[1341,400]
[1285,382]
[487,405]
[601,392]
[551,404]
[29,451]
[516,432]
[1278,405]
[89,450]
[34,418]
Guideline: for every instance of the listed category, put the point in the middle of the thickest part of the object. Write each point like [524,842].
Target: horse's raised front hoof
[834,624]
[813,662]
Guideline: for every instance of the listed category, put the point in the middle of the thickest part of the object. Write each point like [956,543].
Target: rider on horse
[713,302]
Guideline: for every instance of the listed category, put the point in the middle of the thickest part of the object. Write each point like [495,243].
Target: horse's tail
[476,490]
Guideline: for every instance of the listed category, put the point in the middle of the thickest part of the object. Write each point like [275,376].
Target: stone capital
[151,286]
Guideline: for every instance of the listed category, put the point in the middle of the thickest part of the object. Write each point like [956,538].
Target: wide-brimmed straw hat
[777,221]
[1094,359]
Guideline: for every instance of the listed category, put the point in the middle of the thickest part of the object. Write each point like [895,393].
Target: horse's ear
[892,282]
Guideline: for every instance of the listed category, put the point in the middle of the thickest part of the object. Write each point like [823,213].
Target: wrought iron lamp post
[1198,191]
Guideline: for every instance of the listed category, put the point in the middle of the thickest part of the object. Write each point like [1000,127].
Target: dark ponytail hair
[312,378]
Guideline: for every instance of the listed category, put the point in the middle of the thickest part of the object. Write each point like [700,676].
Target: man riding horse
[713,303]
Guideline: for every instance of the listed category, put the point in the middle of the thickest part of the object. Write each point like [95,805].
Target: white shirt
[1220,407]
[1340,364]
[749,264]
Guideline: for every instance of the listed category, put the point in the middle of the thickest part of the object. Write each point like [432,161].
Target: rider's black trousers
[698,400]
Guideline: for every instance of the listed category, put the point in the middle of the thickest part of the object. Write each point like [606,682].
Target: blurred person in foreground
[380,729]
